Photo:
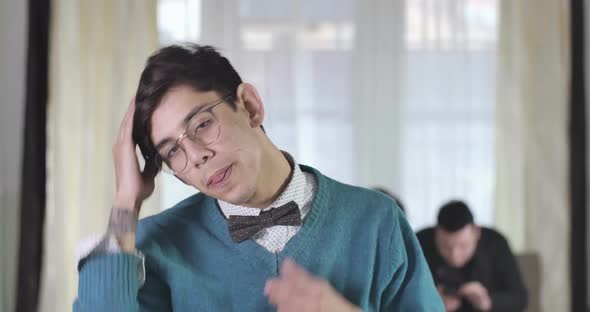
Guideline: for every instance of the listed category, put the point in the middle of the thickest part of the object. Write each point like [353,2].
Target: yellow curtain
[97,52]
[532,206]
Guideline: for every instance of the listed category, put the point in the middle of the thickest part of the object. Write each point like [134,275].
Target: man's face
[228,168]
[458,247]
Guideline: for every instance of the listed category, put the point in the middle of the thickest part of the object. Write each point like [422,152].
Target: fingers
[294,273]
[283,294]
[278,290]
[296,289]
[469,289]
[124,156]
[124,144]
[291,280]
[132,185]
[475,293]
[126,127]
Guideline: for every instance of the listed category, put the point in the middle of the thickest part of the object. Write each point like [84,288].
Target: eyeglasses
[203,129]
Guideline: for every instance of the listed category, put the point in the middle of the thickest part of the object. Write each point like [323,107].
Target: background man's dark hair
[454,215]
[199,67]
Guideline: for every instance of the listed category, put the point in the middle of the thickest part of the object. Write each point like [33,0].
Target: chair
[530,267]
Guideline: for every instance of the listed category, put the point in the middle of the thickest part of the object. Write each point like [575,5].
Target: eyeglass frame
[159,159]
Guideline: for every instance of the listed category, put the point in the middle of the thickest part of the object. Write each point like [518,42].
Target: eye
[173,151]
[202,125]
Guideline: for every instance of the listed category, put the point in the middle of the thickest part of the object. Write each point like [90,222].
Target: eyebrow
[185,121]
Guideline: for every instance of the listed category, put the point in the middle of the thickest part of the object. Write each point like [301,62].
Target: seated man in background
[473,267]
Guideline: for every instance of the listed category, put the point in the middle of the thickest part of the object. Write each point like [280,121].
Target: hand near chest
[295,289]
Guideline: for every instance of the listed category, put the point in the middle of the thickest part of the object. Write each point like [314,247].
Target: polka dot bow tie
[242,228]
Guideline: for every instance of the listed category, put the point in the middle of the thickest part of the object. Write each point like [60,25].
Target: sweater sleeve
[111,282]
[411,287]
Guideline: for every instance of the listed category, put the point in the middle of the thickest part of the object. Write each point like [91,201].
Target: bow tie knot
[244,227]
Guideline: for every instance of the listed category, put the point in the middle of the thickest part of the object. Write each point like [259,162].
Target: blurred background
[479,100]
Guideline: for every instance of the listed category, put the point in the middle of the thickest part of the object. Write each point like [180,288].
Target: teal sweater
[353,237]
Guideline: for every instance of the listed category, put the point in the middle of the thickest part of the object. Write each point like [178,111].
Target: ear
[476,231]
[249,99]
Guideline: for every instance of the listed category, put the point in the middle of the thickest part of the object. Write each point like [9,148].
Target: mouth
[220,177]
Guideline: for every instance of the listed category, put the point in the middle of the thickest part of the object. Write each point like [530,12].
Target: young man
[473,267]
[263,234]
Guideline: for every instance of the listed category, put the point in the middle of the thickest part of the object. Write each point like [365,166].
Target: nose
[197,154]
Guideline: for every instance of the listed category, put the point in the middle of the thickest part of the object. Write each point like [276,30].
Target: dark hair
[395,198]
[199,67]
[454,215]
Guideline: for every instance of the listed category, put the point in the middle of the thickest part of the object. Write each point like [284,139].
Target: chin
[236,195]
[458,265]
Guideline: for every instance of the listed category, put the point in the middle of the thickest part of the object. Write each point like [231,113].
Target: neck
[276,174]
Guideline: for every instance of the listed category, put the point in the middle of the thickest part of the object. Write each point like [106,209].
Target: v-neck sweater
[355,239]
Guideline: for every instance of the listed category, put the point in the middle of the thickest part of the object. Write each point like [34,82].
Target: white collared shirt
[301,189]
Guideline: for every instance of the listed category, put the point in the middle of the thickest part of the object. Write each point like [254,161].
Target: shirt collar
[295,191]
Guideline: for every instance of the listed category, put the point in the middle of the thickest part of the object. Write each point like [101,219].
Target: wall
[587,60]
[13,34]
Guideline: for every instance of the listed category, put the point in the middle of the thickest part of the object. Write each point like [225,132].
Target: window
[299,55]
[448,108]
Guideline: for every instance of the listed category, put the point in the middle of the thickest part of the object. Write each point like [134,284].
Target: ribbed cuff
[110,278]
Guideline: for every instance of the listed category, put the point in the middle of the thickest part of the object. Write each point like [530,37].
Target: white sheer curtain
[532,204]
[97,52]
[298,54]
[378,82]
[447,119]
[391,93]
